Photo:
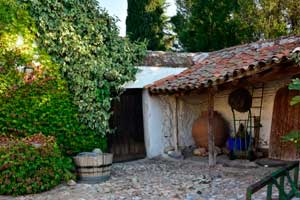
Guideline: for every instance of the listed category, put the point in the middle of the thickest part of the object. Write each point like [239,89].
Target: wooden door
[285,119]
[128,141]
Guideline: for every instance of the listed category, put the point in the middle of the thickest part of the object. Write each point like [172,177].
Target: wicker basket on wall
[92,167]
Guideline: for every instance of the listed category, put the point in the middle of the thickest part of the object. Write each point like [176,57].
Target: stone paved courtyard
[161,179]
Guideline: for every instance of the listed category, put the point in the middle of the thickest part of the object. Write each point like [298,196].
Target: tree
[208,25]
[146,21]
[293,12]
[278,17]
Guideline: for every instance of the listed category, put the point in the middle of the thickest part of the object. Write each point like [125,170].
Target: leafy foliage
[146,21]
[38,100]
[39,42]
[15,25]
[47,107]
[278,17]
[26,169]
[83,39]
[294,137]
[208,25]
[295,85]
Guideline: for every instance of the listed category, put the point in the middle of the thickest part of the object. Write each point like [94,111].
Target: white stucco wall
[270,90]
[160,116]
[153,117]
[156,122]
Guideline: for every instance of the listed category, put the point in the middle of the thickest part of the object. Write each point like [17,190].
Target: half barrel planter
[93,168]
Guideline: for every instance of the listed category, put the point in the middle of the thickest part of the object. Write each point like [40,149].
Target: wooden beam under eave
[271,74]
[211,137]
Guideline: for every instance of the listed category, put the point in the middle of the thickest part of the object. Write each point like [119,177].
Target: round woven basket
[240,100]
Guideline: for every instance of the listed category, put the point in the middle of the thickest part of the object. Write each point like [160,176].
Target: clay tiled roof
[226,64]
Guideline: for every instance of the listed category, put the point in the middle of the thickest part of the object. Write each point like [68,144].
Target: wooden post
[211,137]
[256,131]
[176,125]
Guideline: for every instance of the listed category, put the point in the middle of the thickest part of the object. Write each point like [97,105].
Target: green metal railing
[277,179]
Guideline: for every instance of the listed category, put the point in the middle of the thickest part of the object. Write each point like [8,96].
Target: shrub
[39,101]
[15,25]
[84,40]
[47,107]
[31,165]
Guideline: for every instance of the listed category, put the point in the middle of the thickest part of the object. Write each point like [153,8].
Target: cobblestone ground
[161,179]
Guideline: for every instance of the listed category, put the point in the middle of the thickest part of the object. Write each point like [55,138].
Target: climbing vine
[15,40]
[83,39]
[34,96]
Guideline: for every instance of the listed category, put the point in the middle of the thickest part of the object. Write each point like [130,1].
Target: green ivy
[41,102]
[47,107]
[15,24]
[83,39]
[25,169]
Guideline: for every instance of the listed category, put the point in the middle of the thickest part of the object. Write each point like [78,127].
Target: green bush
[84,40]
[16,38]
[39,101]
[47,107]
[31,165]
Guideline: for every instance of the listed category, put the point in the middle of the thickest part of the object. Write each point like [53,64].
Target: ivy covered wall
[75,64]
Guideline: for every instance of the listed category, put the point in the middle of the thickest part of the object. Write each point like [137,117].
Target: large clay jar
[200,130]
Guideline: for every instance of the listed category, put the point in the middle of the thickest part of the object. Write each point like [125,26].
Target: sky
[118,8]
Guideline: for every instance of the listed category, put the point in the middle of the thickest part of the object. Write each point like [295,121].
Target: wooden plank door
[127,143]
[285,119]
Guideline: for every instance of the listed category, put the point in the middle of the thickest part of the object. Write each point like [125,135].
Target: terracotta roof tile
[227,63]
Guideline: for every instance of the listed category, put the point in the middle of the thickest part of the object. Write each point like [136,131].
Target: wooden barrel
[93,168]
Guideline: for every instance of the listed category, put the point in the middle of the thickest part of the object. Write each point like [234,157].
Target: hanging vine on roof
[96,62]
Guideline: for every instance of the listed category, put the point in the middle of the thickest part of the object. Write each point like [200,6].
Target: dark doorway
[285,119]
[127,143]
